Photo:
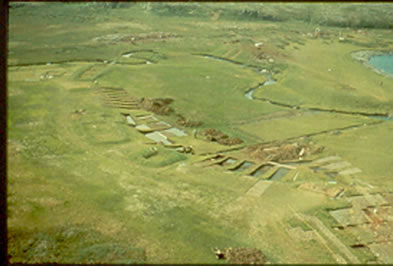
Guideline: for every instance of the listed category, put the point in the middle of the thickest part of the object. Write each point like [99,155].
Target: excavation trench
[107,62]
[302,136]
[382,116]
[326,131]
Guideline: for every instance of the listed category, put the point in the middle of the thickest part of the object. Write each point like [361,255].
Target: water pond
[383,63]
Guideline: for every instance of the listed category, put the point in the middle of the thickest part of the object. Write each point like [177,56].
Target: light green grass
[199,83]
[309,83]
[367,148]
[297,126]
[87,188]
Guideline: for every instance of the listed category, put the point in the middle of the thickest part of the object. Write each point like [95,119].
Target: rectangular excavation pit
[127,107]
[279,174]
[124,97]
[120,101]
[296,163]
[364,233]
[384,251]
[119,92]
[158,137]
[243,166]
[367,201]
[261,170]
[219,161]
[159,125]
[111,90]
[146,121]
[327,160]
[228,161]
[130,121]
[336,165]
[350,171]
[174,132]
[146,117]
[269,173]
[124,105]
[115,97]
[124,102]
[144,128]
[349,217]
[92,72]
[332,175]
[316,168]
[214,158]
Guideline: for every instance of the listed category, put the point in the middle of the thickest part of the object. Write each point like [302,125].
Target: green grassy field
[84,187]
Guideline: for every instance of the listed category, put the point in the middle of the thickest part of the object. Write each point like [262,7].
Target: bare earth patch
[241,255]
[215,135]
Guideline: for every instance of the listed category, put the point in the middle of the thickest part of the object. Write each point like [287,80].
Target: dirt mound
[241,255]
[282,151]
[187,122]
[212,134]
[158,106]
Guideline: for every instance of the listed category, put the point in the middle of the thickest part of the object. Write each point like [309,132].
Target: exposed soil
[282,151]
[330,192]
[158,106]
[187,122]
[241,255]
[212,134]
[133,38]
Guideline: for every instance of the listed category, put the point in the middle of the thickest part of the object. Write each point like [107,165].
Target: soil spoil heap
[281,152]
[241,255]
[158,106]
[187,122]
[212,134]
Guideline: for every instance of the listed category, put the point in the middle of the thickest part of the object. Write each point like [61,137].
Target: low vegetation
[242,86]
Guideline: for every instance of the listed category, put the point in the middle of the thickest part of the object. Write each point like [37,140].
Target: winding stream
[257,69]
[249,93]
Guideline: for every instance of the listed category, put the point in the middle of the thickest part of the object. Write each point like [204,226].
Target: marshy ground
[170,133]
